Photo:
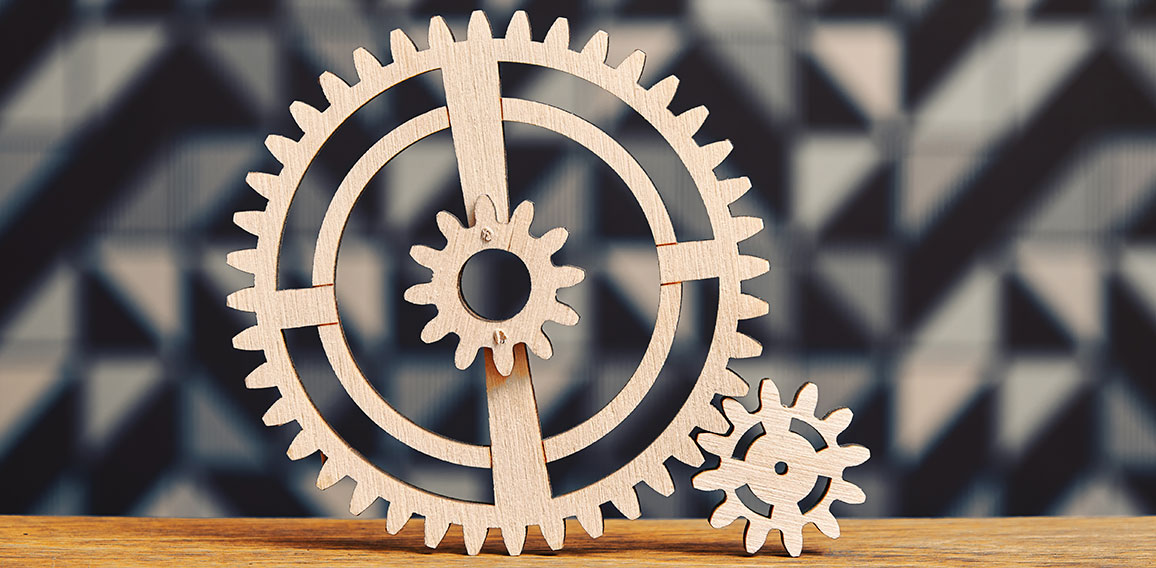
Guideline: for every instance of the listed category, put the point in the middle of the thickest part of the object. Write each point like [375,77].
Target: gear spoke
[474,100]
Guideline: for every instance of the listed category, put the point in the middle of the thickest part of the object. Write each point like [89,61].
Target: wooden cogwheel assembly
[474,113]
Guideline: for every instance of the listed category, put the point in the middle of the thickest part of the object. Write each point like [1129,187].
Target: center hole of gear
[495,284]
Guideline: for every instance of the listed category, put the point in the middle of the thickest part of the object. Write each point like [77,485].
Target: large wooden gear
[474,113]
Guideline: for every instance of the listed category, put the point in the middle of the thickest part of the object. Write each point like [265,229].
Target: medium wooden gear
[518,455]
[781,467]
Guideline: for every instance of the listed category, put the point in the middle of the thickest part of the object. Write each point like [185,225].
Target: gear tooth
[519,28]
[751,307]
[663,91]
[837,420]
[746,227]
[659,480]
[366,63]
[362,498]
[631,67]
[559,35]
[302,446]
[329,475]
[569,276]
[263,377]
[448,224]
[806,399]
[726,512]
[591,520]
[243,260]
[716,444]
[333,87]
[714,422]
[306,117]
[396,517]
[281,147]
[714,153]
[515,538]
[792,540]
[439,32]
[688,453]
[769,395]
[279,413]
[541,346]
[434,329]
[464,355]
[597,47]
[752,267]
[735,385]
[523,215]
[400,45]
[553,240]
[693,119]
[479,28]
[855,454]
[554,531]
[244,300]
[253,222]
[475,537]
[249,339]
[435,530]
[824,521]
[564,314]
[268,185]
[734,188]
[485,211]
[425,256]
[746,346]
[846,492]
[627,504]
[755,536]
[420,294]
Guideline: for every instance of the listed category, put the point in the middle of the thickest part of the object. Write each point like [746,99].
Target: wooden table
[84,541]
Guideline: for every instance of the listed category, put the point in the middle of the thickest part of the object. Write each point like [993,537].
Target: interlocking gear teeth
[784,489]
[318,125]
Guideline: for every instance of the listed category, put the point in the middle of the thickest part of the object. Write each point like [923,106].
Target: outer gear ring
[281,309]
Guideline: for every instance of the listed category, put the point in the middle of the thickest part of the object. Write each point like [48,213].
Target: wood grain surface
[88,541]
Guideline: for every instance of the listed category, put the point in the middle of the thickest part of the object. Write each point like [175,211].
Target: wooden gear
[518,455]
[780,467]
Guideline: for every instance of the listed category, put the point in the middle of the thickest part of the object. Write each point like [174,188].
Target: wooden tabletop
[87,541]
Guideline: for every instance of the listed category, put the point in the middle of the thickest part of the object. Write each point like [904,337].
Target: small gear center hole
[495,284]
[781,468]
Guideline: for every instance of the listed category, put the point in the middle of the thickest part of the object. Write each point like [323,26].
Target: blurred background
[960,199]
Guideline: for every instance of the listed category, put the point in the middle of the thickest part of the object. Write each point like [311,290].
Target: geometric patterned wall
[961,221]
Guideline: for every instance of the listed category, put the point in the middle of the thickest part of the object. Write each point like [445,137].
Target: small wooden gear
[780,467]
[518,454]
